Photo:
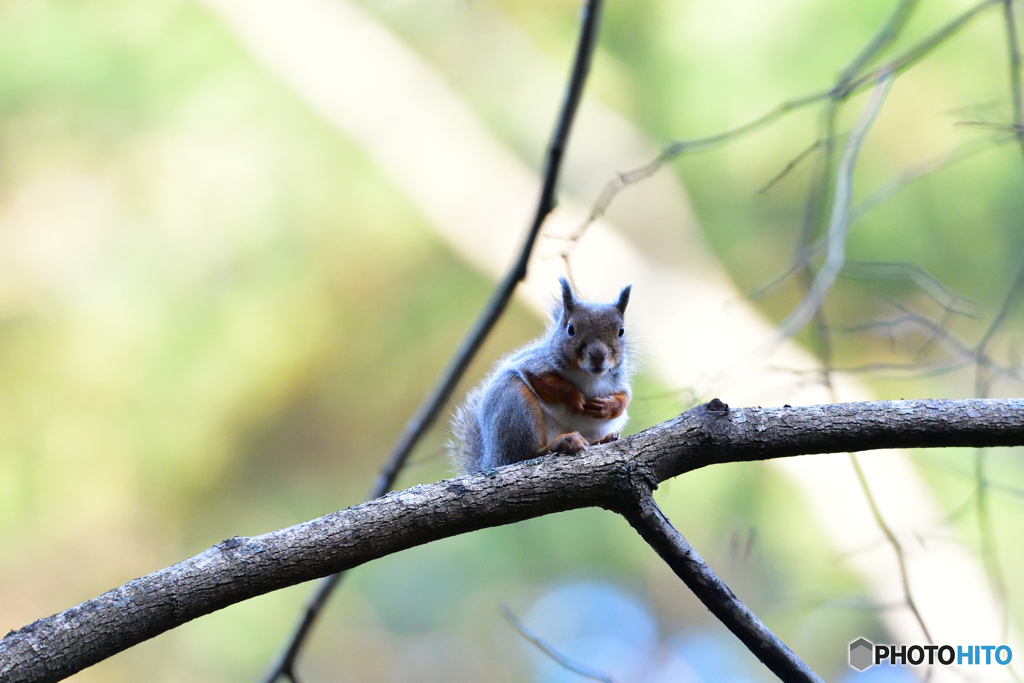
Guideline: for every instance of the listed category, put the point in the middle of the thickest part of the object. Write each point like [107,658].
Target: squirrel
[561,393]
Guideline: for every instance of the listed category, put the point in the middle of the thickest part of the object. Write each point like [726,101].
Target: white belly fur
[561,421]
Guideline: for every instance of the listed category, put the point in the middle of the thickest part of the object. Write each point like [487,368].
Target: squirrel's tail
[466,445]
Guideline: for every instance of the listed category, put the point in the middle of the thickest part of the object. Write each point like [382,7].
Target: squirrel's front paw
[568,444]
[605,407]
[601,408]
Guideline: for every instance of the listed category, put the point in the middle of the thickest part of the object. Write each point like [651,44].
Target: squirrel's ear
[568,300]
[623,299]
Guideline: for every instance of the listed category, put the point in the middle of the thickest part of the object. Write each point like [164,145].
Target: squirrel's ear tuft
[568,300]
[623,299]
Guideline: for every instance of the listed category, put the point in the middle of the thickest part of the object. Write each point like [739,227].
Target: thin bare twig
[1015,76]
[814,211]
[818,195]
[555,655]
[986,536]
[925,46]
[838,222]
[922,169]
[936,332]
[920,370]
[651,523]
[1013,493]
[990,125]
[818,198]
[793,163]
[880,195]
[841,216]
[983,385]
[434,402]
[986,533]
[888,33]
[845,86]
[837,261]
[836,233]
[797,264]
[983,377]
[925,281]
[949,301]
[894,542]
[670,151]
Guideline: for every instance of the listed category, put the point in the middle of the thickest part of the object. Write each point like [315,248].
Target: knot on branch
[716,405]
[714,421]
[634,480]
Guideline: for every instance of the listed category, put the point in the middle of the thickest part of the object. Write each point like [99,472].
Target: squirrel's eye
[622,331]
[571,331]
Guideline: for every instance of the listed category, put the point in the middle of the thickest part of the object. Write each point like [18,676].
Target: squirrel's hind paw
[568,444]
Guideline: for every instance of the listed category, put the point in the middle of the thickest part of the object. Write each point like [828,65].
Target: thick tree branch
[242,568]
[651,523]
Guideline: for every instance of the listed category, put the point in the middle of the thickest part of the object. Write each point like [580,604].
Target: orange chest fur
[551,387]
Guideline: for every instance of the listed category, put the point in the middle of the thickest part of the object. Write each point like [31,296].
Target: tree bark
[240,568]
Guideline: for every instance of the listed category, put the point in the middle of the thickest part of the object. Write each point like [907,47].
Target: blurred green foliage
[216,315]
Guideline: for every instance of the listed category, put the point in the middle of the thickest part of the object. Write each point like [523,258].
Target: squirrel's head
[592,335]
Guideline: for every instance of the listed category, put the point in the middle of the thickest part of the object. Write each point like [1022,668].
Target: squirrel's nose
[597,354]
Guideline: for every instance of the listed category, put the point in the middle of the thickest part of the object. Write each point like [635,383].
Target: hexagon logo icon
[861,654]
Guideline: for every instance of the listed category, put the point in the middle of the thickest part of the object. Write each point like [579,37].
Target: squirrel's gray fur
[499,423]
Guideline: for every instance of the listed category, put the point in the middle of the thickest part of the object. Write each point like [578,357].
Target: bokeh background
[216,314]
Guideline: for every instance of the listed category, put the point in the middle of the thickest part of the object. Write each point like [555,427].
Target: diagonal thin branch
[938,333]
[920,50]
[555,655]
[793,163]
[888,33]
[814,208]
[845,86]
[818,196]
[983,378]
[986,535]
[921,169]
[912,370]
[1015,66]
[839,220]
[434,402]
[651,523]
[925,281]
[894,542]
[825,333]
[624,179]
[983,382]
